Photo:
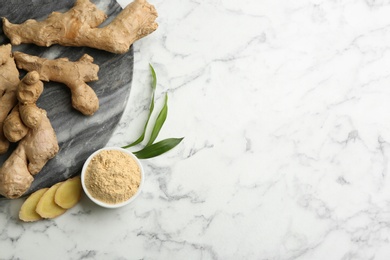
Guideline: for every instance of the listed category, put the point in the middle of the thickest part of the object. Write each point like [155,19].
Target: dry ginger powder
[112,176]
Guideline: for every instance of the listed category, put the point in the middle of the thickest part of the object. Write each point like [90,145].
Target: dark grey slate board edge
[77,134]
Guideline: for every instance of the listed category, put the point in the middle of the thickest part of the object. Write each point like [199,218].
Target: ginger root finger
[9,80]
[134,22]
[72,74]
[28,92]
[14,128]
[58,28]
[26,114]
[29,113]
[74,28]
[33,151]
[31,154]
[15,179]
[41,144]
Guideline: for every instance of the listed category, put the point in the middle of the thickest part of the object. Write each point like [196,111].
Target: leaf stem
[151,108]
[158,148]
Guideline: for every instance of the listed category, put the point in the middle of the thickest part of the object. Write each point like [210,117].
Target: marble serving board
[78,135]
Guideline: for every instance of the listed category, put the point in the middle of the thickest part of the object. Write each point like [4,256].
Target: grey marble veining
[286,156]
[78,135]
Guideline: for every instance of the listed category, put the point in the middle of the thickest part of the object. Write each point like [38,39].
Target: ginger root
[26,114]
[72,74]
[29,90]
[34,149]
[9,80]
[78,27]
[13,127]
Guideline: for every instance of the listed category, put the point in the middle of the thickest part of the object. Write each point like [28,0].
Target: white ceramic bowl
[107,205]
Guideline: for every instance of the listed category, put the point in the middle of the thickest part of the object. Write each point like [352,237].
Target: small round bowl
[107,205]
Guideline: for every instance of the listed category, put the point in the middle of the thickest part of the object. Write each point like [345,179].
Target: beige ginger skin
[29,124]
[9,80]
[73,74]
[79,27]
[35,148]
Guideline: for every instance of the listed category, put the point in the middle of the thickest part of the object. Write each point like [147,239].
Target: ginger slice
[69,193]
[78,27]
[72,74]
[9,80]
[46,207]
[27,212]
[34,150]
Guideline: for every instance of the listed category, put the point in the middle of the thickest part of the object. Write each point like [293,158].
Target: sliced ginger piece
[27,212]
[46,207]
[69,193]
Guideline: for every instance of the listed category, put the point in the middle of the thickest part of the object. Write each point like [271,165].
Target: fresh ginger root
[72,74]
[9,80]
[57,27]
[35,148]
[14,128]
[78,27]
[26,114]
[29,90]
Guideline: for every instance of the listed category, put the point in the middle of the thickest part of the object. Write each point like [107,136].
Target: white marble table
[284,106]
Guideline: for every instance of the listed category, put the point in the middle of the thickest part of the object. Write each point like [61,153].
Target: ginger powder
[112,176]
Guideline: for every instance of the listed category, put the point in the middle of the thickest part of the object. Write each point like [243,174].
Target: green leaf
[154,77]
[154,84]
[162,116]
[157,148]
